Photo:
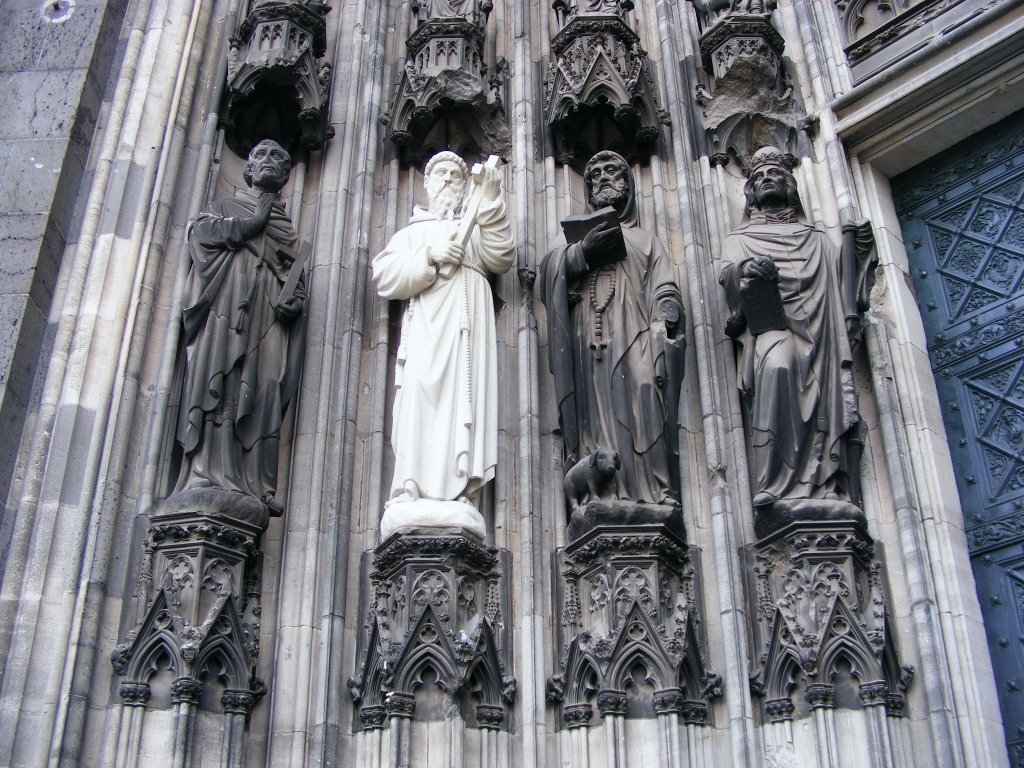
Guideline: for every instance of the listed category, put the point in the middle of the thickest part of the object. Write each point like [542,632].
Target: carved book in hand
[578,225]
[762,305]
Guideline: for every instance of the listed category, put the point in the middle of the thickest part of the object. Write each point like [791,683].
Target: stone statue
[424,10]
[445,423]
[796,300]
[715,9]
[244,334]
[615,345]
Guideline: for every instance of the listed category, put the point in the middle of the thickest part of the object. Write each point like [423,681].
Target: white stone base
[431,513]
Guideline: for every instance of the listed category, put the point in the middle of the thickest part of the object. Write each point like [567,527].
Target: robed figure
[244,337]
[796,299]
[615,323]
[444,428]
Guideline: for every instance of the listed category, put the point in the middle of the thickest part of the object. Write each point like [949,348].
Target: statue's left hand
[490,183]
[289,309]
[669,311]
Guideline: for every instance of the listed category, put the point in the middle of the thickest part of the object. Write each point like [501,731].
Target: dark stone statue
[796,300]
[615,325]
[244,333]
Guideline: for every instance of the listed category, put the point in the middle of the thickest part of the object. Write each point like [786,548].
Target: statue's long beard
[614,195]
[446,202]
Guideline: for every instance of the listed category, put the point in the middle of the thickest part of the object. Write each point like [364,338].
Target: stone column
[668,704]
[185,692]
[400,709]
[821,699]
[612,706]
[577,718]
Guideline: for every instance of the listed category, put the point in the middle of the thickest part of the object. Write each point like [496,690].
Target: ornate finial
[769,156]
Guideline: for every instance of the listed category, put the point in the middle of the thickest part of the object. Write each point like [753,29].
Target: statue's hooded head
[608,180]
[268,167]
[771,183]
[445,178]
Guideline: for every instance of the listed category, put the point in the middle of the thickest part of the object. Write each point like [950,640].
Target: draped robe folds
[445,420]
[797,381]
[242,362]
[615,402]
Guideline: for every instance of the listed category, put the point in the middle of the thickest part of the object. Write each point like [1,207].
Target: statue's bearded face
[608,184]
[268,166]
[446,185]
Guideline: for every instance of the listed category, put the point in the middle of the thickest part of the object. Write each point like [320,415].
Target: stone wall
[82,555]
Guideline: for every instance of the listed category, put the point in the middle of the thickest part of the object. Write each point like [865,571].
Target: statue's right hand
[265,206]
[603,244]
[445,253]
[761,267]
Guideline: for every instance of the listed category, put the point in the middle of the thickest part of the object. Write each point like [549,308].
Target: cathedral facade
[720,343]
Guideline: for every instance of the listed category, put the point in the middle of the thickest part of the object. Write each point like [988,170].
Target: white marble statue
[445,422]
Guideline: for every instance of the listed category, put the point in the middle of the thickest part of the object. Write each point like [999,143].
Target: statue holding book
[244,332]
[796,300]
[615,345]
[444,428]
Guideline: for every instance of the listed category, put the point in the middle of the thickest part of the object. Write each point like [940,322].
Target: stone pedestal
[821,622]
[627,596]
[196,642]
[437,621]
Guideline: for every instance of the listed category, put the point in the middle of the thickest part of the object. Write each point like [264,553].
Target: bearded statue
[615,342]
[445,420]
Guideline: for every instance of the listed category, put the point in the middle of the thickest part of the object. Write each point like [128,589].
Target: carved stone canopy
[599,91]
[751,102]
[277,86]
[446,96]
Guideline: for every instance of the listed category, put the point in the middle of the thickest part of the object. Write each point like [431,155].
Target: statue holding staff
[445,418]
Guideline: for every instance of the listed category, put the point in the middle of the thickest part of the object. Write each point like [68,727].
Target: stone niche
[278,87]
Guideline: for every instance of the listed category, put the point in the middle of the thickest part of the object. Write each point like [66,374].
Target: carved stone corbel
[629,629]
[437,619]
[278,87]
[822,622]
[200,583]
